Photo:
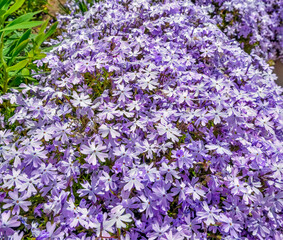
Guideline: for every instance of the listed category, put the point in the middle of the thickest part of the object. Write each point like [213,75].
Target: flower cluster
[152,124]
[256,24]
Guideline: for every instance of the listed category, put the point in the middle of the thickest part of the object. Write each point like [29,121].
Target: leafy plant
[20,46]
[33,6]
[83,4]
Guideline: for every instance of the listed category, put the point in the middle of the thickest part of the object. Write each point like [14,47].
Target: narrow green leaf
[1,51]
[12,48]
[41,36]
[43,27]
[2,12]
[4,4]
[22,26]
[48,49]
[24,18]
[18,66]
[82,7]
[51,30]
[14,8]
[25,36]
[20,48]
[9,47]
[39,56]
[38,40]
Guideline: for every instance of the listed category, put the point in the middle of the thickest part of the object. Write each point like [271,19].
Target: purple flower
[118,218]
[81,100]
[17,202]
[161,195]
[152,123]
[100,217]
[159,231]
[209,215]
[43,235]
[8,223]
[94,151]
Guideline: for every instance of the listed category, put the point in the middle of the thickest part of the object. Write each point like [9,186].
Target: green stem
[119,233]
[5,84]
[5,77]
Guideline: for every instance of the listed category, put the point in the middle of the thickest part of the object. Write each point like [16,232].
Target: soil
[278,70]
[54,6]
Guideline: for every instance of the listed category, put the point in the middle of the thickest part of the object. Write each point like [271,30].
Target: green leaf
[51,30]
[38,40]
[24,18]
[32,79]
[14,8]
[16,82]
[39,56]
[42,37]
[20,48]
[1,51]
[16,47]
[25,36]
[43,27]
[2,12]
[25,72]
[9,47]
[23,26]
[82,7]
[4,4]
[18,66]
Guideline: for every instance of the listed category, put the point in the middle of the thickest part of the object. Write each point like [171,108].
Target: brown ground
[279,72]
[54,6]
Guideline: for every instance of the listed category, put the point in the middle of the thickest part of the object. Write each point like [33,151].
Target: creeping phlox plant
[256,24]
[151,125]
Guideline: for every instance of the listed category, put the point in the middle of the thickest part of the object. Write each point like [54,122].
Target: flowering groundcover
[152,124]
[256,24]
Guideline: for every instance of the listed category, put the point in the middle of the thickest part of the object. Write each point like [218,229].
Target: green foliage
[20,46]
[85,4]
[33,6]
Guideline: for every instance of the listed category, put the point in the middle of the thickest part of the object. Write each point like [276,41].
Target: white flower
[171,133]
[94,151]
[117,217]
[81,100]
[105,130]
[219,149]
[133,182]
[147,83]
[123,92]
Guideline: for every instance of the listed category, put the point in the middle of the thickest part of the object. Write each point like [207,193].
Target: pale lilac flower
[7,223]
[81,100]
[28,184]
[216,114]
[105,131]
[230,226]
[12,179]
[209,215]
[94,151]
[219,149]
[168,129]
[17,202]
[159,231]
[131,182]
[117,217]
[146,206]
[123,92]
